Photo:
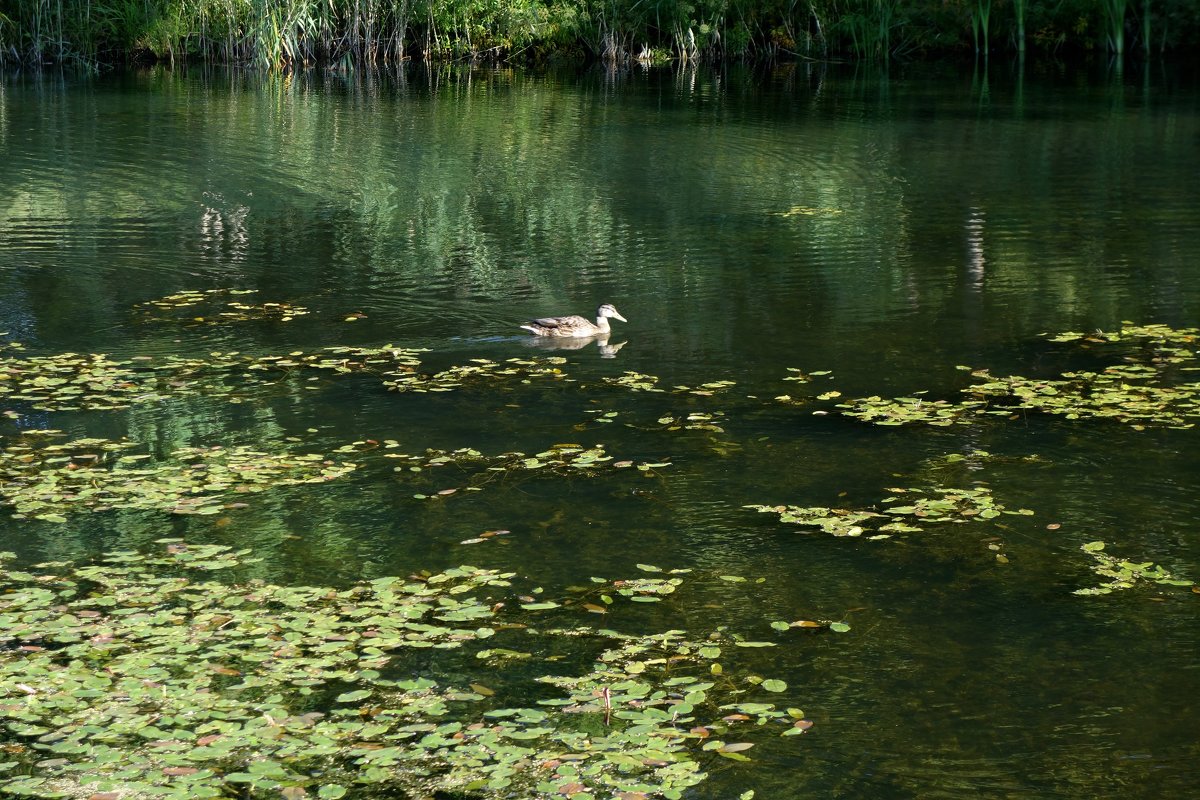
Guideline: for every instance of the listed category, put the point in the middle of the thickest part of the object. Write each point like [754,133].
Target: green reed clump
[295,33]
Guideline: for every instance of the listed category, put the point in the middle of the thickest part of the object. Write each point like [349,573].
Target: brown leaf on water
[204,741]
[105,796]
[1053,526]
[595,609]
[701,732]
[803,724]
[571,788]
[806,623]
[180,771]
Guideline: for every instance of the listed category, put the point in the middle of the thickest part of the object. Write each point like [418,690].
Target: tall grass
[1114,24]
[278,34]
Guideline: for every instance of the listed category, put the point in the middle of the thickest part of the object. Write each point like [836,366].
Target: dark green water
[937,219]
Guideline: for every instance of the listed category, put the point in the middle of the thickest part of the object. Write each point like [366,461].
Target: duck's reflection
[576,343]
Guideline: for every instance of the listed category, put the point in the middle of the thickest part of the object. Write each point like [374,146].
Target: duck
[574,325]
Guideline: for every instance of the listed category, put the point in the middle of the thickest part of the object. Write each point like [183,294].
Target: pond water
[887,229]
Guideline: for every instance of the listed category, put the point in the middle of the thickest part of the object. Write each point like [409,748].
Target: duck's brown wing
[573,321]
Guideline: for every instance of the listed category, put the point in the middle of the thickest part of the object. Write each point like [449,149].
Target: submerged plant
[144,676]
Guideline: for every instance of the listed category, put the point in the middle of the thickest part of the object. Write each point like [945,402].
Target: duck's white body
[575,326]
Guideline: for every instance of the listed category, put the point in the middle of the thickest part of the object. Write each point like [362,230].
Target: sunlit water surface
[888,230]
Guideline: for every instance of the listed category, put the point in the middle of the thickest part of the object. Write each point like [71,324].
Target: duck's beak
[618,316]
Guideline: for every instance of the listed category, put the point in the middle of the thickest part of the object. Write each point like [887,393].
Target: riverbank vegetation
[290,33]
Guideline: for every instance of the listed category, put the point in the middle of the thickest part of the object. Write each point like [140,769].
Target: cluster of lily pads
[906,410]
[185,307]
[1125,393]
[94,382]
[71,381]
[480,370]
[1123,574]
[1170,344]
[904,511]
[639,382]
[694,421]
[561,459]
[801,377]
[147,676]
[1143,390]
[45,479]
[807,211]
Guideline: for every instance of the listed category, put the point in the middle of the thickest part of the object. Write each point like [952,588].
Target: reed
[981,15]
[282,34]
[1114,24]
[1019,9]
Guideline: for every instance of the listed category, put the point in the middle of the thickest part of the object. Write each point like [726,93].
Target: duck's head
[609,310]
